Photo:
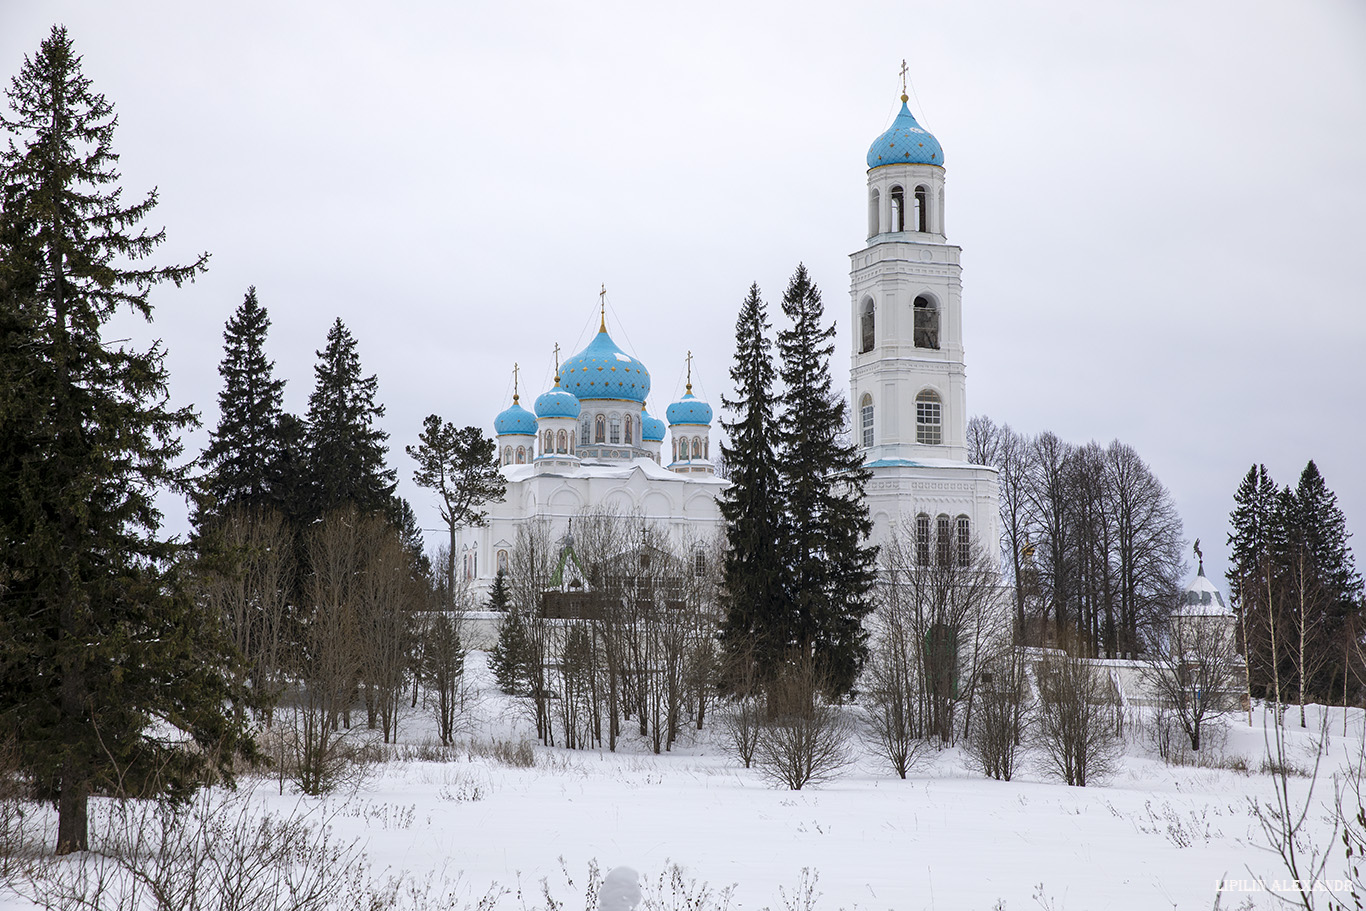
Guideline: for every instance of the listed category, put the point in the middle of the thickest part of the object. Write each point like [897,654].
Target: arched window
[926,323]
[675,446]
[699,563]
[562,442]
[697,447]
[585,431]
[507,455]
[898,210]
[922,539]
[614,429]
[548,443]
[502,561]
[943,537]
[630,427]
[600,429]
[866,419]
[866,332]
[874,215]
[521,455]
[922,209]
[964,540]
[928,418]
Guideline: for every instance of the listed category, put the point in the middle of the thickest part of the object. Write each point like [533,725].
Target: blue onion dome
[515,420]
[557,403]
[651,428]
[905,142]
[604,371]
[689,410]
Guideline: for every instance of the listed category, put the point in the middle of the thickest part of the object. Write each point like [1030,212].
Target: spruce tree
[511,653]
[1251,541]
[245,449]
[829,565]
[346,447]
[755,632]
[101,649]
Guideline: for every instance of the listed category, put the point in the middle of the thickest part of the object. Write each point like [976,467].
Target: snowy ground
[1152,837]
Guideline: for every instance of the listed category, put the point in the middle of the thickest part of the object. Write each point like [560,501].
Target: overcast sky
[1160,204]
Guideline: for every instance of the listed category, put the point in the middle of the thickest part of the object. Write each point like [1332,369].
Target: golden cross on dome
[514,383]
[602,295]
[689,373]
[557,363]
[904,97]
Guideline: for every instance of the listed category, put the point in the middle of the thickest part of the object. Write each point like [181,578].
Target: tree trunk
[73,826]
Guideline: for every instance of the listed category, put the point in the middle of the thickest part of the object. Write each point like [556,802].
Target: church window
[630,436]
[922,209]
[521,455]
[943,538]
[507,455]
[699,564]
[964,540]
[874,215]
[614,429]
[548,446]
[585,431]
[866,419]
[866,327]
[926,323]
[697,447]
[922,539]
[562,442]
[928,418]
[502,561]
[898,209]
[600,429]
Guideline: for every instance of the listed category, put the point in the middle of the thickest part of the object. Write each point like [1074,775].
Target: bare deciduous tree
[1074,724]
[1192,667]
[808,743]
[1003,705]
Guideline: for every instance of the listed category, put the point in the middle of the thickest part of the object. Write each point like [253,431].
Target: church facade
[590,444]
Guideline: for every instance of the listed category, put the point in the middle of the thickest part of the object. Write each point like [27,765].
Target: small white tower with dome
[515,430]
[690,430]
[557,422]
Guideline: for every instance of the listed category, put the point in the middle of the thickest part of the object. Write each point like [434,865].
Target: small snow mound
[620,890]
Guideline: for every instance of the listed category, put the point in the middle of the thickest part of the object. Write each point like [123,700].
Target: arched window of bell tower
[922,209]
[926,322]
[866,329]
[866,419]
[600,428]
[874,212]
[898,210]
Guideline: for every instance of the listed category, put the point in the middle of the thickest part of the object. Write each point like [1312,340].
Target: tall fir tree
[245,450]
[755,633]
[1254,521]
[346,447]
[101,648]
[830,566]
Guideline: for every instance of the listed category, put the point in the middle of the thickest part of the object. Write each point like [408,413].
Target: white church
[589,442]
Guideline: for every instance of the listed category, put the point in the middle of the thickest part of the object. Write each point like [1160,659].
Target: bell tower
[907,376]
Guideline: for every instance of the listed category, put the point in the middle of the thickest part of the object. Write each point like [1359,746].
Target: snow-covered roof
[1202,598]
[592,468]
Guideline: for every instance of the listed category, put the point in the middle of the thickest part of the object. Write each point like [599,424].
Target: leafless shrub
[1074,725]
[217,853]
[807,741]
[517,755]
[741,721]
[14,814]
[1003,708]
